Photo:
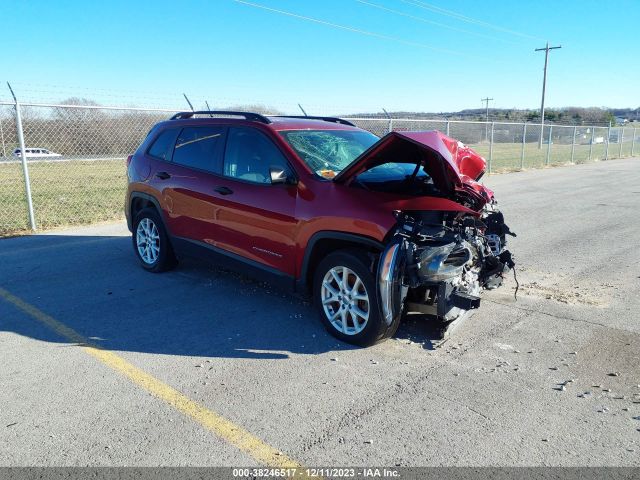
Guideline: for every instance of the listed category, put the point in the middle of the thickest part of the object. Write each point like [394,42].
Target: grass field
[507,156]
[83,192]
[64,193]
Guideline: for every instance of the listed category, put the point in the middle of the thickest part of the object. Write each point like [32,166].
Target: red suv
[370,228]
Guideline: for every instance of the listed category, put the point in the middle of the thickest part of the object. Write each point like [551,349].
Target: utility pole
[486,127]
[544,86]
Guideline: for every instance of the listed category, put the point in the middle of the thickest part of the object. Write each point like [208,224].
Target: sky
[330,56]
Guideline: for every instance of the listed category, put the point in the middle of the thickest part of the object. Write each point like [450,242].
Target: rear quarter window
[162,146]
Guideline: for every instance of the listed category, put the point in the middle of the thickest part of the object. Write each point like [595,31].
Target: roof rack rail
[326,119]
[255,117]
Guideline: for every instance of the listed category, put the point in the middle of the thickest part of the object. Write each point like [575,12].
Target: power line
[350,29]
[464,18]
[544,87]
[431,22]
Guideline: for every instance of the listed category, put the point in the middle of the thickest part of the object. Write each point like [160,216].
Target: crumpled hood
[457,164]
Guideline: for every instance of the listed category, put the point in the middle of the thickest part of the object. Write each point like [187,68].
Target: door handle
[163,175]
[222,190]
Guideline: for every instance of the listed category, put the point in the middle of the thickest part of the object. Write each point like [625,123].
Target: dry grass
[63,192]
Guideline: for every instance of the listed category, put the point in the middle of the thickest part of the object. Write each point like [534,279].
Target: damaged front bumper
[440,269]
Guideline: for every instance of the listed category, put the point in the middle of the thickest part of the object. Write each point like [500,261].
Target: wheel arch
[139,201]
[322,243]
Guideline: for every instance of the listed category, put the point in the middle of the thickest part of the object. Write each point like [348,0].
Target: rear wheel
[346,295]
[151,243]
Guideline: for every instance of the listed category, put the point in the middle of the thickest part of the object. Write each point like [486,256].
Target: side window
[162,147]
[199,147]
[249,155]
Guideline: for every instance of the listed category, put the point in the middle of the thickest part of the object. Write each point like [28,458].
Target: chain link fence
[76,155]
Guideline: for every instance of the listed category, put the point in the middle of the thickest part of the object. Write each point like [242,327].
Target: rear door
[186,180]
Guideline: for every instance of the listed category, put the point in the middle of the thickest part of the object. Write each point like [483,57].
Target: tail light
[129,160]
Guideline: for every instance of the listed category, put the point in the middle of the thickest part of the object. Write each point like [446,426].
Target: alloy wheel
[148,241]
[345,300]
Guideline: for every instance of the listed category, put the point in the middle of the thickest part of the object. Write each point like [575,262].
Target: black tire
[375,329]
[166,259]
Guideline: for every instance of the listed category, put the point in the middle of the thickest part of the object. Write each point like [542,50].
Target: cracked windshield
[329,152]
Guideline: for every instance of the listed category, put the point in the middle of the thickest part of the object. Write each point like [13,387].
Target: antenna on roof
[305,113]
[187,99]
[208,107]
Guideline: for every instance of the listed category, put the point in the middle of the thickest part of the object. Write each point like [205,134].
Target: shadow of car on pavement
[94,285]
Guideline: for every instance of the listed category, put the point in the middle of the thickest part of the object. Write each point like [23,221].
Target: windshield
[327,152]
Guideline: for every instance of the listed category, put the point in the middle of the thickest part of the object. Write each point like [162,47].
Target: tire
[151,242]
[340,308]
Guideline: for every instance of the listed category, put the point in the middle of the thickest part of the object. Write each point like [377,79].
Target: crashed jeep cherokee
[370,228]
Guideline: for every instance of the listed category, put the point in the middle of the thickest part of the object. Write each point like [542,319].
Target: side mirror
[280,176]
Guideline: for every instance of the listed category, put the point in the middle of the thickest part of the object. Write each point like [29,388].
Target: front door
[255,219]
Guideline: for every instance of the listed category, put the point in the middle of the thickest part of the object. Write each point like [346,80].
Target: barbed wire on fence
[82,178]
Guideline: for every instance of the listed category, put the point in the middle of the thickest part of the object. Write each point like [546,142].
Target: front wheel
[346,296]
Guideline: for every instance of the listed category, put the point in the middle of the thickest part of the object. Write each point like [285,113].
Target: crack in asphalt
[559,317]
[463,405]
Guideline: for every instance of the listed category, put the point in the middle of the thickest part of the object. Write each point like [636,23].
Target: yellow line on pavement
[223,428]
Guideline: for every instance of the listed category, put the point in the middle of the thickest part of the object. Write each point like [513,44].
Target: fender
[301,282]
[145,196]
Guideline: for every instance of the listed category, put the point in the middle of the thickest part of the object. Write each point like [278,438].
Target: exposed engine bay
[438,262]
[449,240]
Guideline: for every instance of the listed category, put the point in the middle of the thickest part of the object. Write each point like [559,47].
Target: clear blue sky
[229,52]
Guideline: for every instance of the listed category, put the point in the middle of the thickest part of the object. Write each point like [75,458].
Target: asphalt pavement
[203,367]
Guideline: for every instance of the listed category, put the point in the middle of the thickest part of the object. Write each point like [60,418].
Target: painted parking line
[212,421]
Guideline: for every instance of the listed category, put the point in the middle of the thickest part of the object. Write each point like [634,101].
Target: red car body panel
[273,224]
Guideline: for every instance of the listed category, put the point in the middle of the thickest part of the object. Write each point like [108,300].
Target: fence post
[25,169]
[620,139]
[549,145]
[4,151]
[606,149]
[447,128]
[573,142]
[593,137]
[491,148]
[633,142]
[390,125]
[524,141]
